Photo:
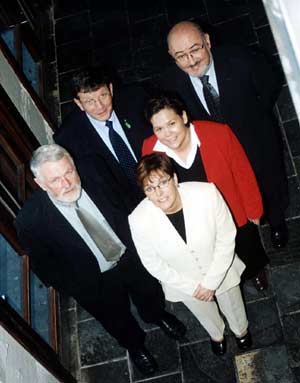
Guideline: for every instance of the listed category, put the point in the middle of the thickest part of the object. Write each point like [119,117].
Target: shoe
[218,348]
[260,282]
[172,326]
[143,361]
[245,342]
[279,235]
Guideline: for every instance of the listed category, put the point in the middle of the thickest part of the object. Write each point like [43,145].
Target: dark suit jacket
[92,156]
[248,88]
[58,254]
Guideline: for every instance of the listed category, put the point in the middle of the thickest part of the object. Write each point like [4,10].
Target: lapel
[58,228]
[95,147]
[169,231]
[93,142]
[189,217]
[188,93]
[165,229]
[224,75]
[130,129]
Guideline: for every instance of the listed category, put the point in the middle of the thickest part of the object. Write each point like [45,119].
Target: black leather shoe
[260,281]
[143,361]
[279,235]
[172,326]
[245,342]
[218,348]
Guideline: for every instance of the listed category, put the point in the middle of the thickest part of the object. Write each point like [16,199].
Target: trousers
[230,303]
[126,282]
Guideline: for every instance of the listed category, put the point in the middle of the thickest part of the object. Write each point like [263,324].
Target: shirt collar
[210,71]
[94,122]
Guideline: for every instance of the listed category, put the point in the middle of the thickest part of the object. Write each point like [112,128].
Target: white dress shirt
[103,130]
[68,211]
[197,84]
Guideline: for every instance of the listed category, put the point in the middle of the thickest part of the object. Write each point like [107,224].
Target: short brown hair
[152,163]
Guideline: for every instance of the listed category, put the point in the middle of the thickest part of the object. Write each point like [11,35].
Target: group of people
[145,198]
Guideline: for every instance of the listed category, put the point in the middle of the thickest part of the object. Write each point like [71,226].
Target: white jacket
[207,257]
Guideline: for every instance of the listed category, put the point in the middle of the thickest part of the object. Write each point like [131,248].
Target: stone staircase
[274,318]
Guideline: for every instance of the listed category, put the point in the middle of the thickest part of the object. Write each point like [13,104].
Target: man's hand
[204,294]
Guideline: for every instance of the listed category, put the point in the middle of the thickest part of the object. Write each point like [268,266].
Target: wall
[23,102]
[17,365]
[285,23]
[131,36]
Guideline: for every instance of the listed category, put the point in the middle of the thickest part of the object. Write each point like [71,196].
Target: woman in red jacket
[209,152]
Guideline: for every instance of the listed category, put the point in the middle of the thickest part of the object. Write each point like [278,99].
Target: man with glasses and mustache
[80,244]
[234,86]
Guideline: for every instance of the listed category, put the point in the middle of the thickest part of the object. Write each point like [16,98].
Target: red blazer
[227,166]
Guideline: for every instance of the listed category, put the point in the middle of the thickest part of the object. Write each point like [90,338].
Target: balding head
[190,48]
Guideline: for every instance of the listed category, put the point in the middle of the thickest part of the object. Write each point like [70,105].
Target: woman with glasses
[185,237]
[209,152]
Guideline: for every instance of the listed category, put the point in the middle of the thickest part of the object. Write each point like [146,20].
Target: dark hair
[164,99]
[90,79]
[152,163]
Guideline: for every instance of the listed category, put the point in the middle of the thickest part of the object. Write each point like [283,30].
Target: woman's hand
[254,220]
[204,294]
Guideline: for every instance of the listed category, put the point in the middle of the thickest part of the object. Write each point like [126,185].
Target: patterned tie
[212,99]
[106,243]
[126,160]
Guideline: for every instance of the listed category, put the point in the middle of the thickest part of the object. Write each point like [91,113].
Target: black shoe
[279,235]
[245,342]
[143,361]
[260,281]
[172,326]
[218,348]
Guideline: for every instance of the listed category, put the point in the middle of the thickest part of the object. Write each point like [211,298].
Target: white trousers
[230,304]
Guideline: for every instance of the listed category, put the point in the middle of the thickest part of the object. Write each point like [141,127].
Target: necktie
[126,160]
[106,243]
[212,99]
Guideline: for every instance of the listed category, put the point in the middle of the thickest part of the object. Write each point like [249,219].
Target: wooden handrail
[32,342]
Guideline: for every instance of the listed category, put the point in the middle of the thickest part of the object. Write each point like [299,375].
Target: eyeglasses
[183,58]
[90,103]
[162,184]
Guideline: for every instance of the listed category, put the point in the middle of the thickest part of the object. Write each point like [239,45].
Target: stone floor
[274,318]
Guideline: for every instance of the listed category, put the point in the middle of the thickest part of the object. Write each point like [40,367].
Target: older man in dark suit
[105,132]
[232,85]
[81,245]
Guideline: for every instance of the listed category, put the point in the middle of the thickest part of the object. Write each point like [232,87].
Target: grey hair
[47,153]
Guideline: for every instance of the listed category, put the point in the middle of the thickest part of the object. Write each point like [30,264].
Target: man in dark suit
[243,88]
[89,132]
[81,245]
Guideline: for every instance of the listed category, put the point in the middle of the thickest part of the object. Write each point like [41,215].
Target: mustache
[195,64]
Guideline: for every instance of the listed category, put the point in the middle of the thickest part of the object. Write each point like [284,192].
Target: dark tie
[106,243]
[212,99]
[126,160]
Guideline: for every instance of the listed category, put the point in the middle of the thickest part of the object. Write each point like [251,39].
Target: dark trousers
[273,185]
[128,279]
[249,248]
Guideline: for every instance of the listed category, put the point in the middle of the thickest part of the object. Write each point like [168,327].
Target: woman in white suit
[185,237]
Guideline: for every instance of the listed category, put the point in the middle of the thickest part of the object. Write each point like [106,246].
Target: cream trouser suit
[207,256]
